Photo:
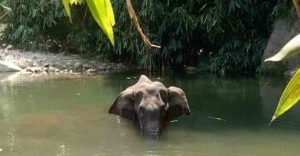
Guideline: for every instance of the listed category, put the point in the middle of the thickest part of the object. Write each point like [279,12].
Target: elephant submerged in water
[151,105]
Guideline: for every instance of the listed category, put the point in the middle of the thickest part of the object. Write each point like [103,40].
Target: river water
[67,116]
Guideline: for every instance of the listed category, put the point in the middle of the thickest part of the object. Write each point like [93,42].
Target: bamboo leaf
[5,7]
[103,14]
[289,97]
[289,49]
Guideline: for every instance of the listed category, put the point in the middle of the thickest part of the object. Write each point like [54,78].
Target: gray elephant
[151,105]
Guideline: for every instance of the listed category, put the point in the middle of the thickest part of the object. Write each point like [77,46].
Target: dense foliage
[31,21]
[216,35]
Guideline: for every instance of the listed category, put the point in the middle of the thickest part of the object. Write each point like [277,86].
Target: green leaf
[66,4]
[5,7]
[290,49]
[103,14]
[289,97]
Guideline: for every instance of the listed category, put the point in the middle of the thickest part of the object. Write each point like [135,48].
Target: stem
[135,20]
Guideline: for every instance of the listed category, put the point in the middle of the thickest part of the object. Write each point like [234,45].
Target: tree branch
[297,7]
[134,19]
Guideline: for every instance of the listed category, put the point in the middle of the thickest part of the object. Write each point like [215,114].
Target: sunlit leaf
[66,4]
[75,2]
[290,49]
[103,14]
[289,97]
[110,12]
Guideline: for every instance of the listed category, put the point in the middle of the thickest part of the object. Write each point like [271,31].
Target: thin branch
[135,20]
[297,7]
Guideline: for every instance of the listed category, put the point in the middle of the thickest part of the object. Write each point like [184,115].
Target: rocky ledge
[12,59]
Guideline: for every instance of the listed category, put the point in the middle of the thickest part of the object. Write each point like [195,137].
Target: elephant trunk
[151,130]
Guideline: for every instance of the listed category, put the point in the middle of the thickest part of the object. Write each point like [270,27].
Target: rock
[34,69]
[283,31]
[86,66]
[100,68]
[8,47]
[46,65]
[78,65]
[8,67]
[53,69]
[23,64]
[90,71]
[35,64]
[50,69]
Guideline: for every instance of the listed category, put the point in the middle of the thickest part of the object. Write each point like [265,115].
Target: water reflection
[68,116]
[7,114]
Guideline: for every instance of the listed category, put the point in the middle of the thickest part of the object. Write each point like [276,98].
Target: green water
[67,116]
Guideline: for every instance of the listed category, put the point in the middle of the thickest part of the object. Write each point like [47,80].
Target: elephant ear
[124,106]
[178,104]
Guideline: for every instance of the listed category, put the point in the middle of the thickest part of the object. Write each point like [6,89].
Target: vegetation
[218,36]
[291,94]
[32,23]
[102,12]
[4,9]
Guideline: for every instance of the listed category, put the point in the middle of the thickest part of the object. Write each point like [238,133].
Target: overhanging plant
[291,93]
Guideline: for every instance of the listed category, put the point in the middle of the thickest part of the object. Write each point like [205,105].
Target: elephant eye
[163,95]
[131,96]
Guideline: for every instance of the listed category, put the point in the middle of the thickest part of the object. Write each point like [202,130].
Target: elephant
[151,105]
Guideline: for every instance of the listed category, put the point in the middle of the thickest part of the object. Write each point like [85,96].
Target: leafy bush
[218,36]
[32,22]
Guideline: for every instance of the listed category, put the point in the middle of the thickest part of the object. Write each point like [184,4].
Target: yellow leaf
[110,12]
[289,97]
[289,49]
[103,14]
[75,2]
[66,4]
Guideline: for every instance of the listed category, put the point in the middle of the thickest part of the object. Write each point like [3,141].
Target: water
[67,116]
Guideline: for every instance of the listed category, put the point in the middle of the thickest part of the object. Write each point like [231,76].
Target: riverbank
[47,62]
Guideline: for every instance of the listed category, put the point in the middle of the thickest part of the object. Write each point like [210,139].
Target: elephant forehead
[150,106]
[150,87]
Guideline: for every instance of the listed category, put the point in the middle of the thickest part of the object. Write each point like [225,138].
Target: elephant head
[151,105]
